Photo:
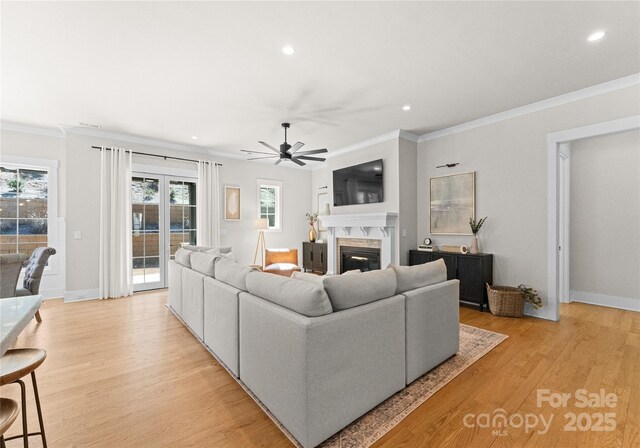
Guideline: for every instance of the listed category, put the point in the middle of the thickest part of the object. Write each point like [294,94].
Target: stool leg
[2,445]
[23,398]
[37,395]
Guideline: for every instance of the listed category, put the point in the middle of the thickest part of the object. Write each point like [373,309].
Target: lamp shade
[262,224]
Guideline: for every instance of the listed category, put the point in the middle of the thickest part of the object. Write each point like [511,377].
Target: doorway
[163,211]
[557,261]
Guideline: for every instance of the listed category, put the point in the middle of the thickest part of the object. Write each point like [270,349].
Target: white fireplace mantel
[377,226]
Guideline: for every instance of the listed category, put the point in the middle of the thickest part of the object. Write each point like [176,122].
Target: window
[269,206]
[24,209]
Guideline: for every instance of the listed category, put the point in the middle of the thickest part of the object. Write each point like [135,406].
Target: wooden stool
[14,365]
[8,414]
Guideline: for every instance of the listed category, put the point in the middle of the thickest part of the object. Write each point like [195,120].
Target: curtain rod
[157,155]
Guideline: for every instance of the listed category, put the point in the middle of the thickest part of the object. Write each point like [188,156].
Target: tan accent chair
[281,261]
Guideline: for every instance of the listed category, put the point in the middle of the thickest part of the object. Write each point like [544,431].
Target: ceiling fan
[288,152]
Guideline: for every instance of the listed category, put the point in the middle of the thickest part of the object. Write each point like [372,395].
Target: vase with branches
[475,228]
[312,218]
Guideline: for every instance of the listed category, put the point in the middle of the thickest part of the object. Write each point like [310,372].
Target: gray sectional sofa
[318,352]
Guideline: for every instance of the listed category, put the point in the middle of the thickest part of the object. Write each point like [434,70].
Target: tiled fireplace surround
[375,230]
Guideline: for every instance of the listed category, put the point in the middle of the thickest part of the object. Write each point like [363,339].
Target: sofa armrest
[433,326]
[318,374]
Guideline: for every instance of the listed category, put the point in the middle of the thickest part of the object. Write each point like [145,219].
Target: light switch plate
[77,235]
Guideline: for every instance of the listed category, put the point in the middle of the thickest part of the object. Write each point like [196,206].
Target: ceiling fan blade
[258,158]
[278,161]
[317,159]
[295,147]
[269,146]
[313,151]
[298,162]
[255,152]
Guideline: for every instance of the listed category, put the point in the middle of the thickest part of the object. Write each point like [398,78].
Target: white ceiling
[170,70]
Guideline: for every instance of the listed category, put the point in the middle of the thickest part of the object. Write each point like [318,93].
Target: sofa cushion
[348,291]
[221,249]
[183,257]
[203,263]
[413,277]
[313,278]
[232,273]
[300,296]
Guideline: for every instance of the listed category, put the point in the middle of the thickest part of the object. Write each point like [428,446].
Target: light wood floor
[126,373]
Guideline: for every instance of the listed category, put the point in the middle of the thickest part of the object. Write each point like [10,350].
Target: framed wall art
[323,209]
[231,203]
[452,202]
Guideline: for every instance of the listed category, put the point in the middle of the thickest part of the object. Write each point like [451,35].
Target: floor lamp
[262,224]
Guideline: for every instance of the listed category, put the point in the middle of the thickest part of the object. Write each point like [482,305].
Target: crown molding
[34,130]
[409,136]
[598,89]
[397,133]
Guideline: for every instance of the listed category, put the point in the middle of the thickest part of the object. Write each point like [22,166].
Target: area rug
[362,433]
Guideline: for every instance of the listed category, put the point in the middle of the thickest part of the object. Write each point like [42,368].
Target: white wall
[79,195]
[510,161]
[399,157]
[50,148]
[388,152]
[605,216]
[408,203]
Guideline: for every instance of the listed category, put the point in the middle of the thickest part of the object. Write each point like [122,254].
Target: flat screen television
[358,184]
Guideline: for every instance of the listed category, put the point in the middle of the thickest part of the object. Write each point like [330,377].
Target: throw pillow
[312,278]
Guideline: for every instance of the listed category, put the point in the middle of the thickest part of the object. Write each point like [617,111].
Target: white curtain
[116,277]
[208,204]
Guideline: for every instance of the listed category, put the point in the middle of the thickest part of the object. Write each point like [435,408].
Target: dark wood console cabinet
[314,257]
[473,271]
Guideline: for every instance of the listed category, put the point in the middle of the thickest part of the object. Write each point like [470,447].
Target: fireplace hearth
[362,258]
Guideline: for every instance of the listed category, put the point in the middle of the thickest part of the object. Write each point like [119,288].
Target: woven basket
[505,301]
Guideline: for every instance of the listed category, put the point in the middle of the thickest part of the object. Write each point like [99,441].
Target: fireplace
[362,258]
[370,230]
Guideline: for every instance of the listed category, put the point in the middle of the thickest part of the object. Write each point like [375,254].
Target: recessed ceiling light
[406,107]
[288,50]
[193,137]
[595,36]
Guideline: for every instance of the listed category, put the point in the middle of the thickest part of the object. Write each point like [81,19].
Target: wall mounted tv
[358,184]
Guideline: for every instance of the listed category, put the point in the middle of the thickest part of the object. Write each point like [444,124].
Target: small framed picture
[231,203]
[323,204]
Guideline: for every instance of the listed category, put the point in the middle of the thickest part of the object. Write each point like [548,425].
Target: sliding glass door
[163,218]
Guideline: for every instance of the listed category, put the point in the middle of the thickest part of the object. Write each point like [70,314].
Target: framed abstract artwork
[231,203]
[452,202]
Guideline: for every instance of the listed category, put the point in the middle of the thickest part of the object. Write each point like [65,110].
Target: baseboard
[51,293]
[623,303]
[80,295]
